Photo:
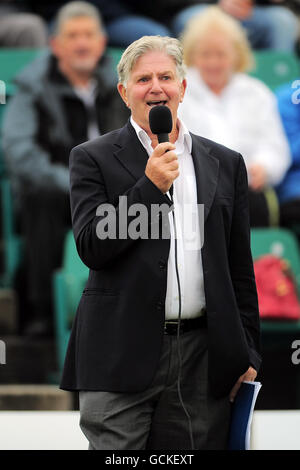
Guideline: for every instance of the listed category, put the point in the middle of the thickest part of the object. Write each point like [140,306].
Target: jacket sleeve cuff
[150,194]
[255,359]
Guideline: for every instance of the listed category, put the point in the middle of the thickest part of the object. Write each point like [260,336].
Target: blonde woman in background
[225,104]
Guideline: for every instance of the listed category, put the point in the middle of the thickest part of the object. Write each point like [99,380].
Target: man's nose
[156,86]
[81,41]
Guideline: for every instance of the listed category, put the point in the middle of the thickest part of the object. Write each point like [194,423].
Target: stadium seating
[275,68]
[278,336]
[13,61]
[11,241]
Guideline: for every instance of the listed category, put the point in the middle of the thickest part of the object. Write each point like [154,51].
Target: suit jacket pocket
[223,201]
[99,315]
[98,291]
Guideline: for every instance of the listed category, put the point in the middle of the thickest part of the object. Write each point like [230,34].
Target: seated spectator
[124,20]
[128,20]
[269,25]
[19,27]
[64,98]
[224,104]
[289,189]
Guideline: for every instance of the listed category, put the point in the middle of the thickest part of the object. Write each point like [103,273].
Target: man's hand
[257,177]
[162,166]
[240,9]
[249,376]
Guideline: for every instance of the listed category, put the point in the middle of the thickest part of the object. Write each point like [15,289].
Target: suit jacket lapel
[130,152]
[206,171]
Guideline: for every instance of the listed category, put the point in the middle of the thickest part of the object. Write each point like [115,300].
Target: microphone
[161,123]
[160,120]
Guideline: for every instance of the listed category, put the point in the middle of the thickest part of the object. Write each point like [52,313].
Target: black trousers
[44,220]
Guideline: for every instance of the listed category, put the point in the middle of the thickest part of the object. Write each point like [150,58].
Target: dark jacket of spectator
[46,118]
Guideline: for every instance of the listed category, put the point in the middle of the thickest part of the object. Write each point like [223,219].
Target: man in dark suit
[167,326]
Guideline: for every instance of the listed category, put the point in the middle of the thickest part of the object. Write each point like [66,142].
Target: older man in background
[64,98]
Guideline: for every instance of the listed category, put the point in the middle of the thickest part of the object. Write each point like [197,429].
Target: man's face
[79,44]
[153,81]
[215,58]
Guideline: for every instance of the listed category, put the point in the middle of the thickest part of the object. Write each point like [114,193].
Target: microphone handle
[164,137]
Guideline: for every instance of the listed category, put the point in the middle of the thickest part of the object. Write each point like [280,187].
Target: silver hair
[171,46]
[75,10]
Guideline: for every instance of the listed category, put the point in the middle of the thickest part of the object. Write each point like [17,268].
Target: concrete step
[28,360]
[35,397]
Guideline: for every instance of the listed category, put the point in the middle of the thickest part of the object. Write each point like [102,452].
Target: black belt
[186,324]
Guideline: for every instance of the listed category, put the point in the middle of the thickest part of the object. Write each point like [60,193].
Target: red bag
[276,289]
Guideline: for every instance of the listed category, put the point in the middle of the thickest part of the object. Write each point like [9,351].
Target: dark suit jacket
[117,334]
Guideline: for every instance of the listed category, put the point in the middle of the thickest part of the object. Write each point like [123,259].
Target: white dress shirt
[244,117]
[189,238]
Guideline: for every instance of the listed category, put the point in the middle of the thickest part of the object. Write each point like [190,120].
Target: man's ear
[123,93]
[183,88]
[54,46]
[102,44]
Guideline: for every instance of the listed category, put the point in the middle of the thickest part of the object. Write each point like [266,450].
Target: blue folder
[241,416]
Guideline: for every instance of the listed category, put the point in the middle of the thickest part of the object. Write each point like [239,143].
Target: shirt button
[159,305]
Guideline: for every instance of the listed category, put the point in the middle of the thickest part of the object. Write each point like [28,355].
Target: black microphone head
[160,120]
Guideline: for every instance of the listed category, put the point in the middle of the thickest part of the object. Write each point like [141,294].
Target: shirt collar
[184,140]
